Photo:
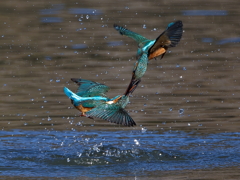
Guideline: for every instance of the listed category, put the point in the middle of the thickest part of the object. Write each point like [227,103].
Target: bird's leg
[83,114]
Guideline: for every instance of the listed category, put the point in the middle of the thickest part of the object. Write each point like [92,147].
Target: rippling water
[107,153]
[186,107]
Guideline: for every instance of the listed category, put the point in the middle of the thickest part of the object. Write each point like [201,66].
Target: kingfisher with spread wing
[149,49]
[158,47]
[91,100]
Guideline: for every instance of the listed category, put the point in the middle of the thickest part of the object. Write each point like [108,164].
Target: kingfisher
[158,47]
[90,99]
[149,49]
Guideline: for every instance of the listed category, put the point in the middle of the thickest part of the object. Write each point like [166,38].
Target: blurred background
[194,89]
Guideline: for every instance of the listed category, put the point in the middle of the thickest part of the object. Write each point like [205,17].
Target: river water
[186,107]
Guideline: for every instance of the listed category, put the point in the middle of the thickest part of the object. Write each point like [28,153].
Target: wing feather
[112,113]
[169,38]
[90,88]
[135,36]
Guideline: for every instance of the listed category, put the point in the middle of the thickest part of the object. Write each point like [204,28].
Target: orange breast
[156,53]
[83,109]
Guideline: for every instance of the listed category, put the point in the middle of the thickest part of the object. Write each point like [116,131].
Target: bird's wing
[169,38]
[90,88]
[112,113]
[135,36]
[174,32]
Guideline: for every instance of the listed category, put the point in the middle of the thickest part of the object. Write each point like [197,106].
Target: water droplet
[58,80]
[79,124]
[144,129]
[170,109]
[184,68]
[87,16]
[68,160]
[136,142]
[189,124]
[144,26]
[160,112]
[181,111]
[49,119]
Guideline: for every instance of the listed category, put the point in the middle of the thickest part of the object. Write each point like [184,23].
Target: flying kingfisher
[169,38]
[92,101]
[149,49]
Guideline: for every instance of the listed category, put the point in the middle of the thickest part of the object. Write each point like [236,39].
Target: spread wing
[112,113]
[90,88]
[135,36]
[169,38]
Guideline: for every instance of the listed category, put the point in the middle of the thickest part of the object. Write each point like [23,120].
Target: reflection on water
[54,9]
[205,13]
[186,107]
[207,40]
[79,46]
[51,20]
[84,11]
[229,40]
[222,41]
[115,43]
